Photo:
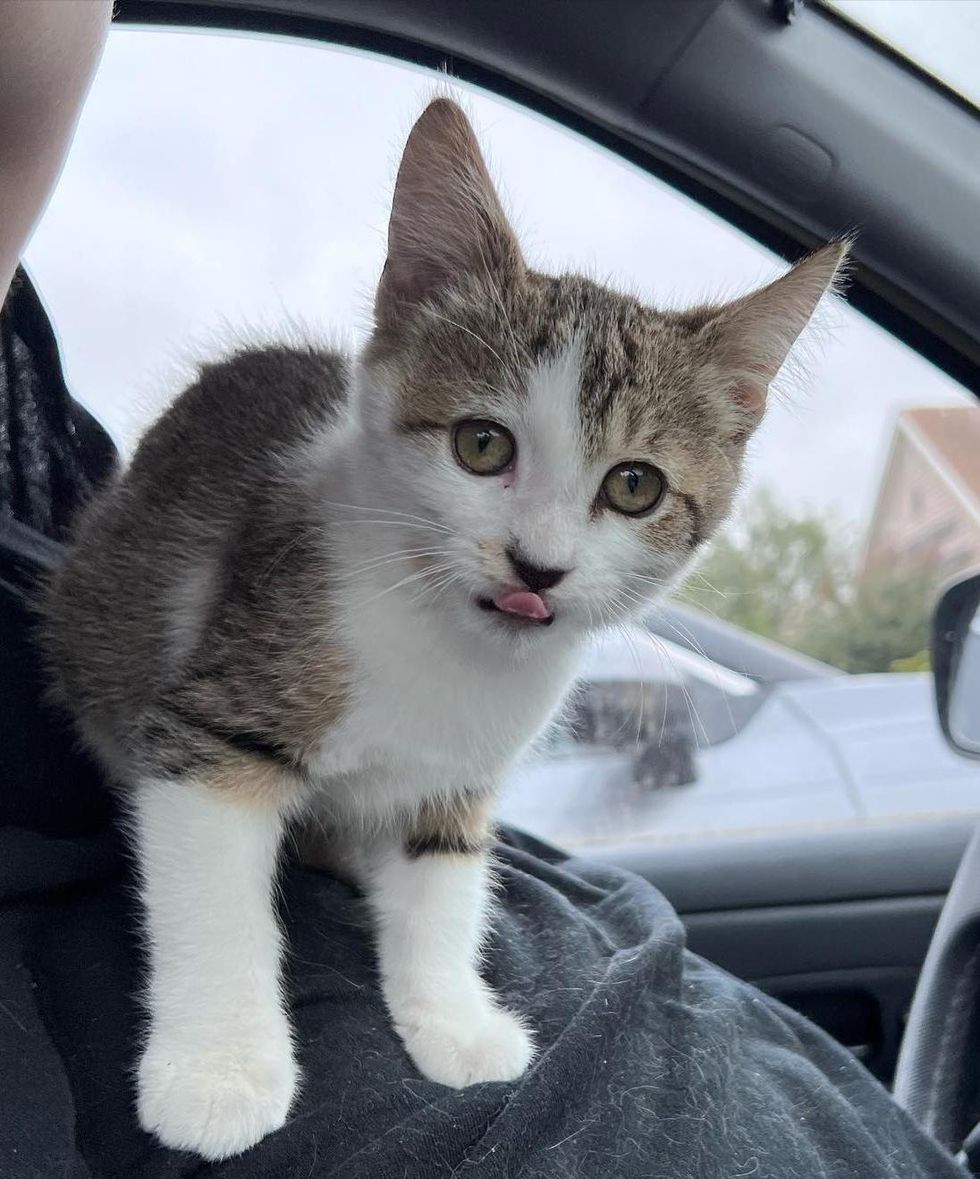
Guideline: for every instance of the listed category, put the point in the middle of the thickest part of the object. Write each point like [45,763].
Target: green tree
[882,622]
[794,579]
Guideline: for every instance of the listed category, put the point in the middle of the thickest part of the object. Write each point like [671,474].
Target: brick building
[927,513]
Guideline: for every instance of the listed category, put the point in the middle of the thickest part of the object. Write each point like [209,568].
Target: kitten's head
[571,447]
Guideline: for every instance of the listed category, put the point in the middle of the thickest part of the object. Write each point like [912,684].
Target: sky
[223,187]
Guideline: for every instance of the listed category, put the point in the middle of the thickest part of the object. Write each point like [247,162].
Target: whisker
[516,345]
[442,583]
[304,535]
[640,679]
[665,652]
[392,558]
[692,711]
[405,581]
[386,512]
[396,524]
[656,582]
[627,595]
[479,339]
[706,583]
[683,632]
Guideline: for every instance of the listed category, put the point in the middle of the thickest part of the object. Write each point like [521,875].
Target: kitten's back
[151,549]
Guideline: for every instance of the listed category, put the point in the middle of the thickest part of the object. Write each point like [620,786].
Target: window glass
[224,186]
[941,37]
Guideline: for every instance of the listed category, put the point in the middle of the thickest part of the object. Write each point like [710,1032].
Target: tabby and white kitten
[347,593]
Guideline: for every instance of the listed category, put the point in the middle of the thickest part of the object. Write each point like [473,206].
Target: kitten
[347,593]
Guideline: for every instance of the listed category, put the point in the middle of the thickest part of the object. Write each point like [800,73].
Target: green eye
[633,489]
[485,448]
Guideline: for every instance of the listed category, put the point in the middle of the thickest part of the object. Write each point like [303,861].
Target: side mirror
[956,664]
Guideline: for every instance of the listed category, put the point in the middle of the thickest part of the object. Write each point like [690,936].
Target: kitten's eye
[485,448]
[633,488]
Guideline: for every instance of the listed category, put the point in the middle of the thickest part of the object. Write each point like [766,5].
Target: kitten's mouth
[521,606]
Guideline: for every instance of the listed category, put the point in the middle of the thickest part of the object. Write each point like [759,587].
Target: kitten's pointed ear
[446,218]
[754,334]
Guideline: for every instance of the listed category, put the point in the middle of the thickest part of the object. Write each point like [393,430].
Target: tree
[881,625]
[794,579]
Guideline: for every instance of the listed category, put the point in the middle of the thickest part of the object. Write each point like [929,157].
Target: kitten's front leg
[430,893]
[217,1073]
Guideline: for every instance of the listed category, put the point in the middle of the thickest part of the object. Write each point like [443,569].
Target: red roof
[953,434]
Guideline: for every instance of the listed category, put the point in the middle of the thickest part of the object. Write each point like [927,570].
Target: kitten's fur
[272,617]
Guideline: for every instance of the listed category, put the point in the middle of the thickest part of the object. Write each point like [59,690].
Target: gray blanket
[653,1063]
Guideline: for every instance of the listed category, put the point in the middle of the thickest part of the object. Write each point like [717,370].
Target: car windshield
[942,37]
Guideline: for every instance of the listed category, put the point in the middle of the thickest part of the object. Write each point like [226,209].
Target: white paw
[216,1098]
[466,1047]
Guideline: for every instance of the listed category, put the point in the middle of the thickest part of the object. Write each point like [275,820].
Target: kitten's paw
[216,1099]
[467,1047]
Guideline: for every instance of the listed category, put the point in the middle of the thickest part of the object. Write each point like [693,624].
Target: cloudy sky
[222,184]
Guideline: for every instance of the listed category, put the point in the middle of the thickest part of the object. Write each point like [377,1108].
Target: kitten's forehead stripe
[626,395]
[553,416]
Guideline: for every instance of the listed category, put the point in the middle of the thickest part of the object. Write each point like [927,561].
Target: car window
[225,187]
[941,37]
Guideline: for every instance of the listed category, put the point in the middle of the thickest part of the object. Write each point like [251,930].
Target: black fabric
[51,450]
[653,1063]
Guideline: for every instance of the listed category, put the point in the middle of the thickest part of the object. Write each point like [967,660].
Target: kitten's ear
[754,334]
[446,218]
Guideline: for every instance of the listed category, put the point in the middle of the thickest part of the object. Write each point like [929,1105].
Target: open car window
[223,187]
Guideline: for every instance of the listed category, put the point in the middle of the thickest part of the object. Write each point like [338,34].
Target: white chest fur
[434,710]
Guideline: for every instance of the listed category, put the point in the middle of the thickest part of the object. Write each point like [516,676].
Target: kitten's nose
[533,576]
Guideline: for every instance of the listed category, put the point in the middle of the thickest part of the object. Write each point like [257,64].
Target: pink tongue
[524,603]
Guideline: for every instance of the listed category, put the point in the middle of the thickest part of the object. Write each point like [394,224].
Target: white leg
[431,913]
[217,1073]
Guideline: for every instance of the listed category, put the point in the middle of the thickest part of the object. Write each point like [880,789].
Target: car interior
[779,117]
